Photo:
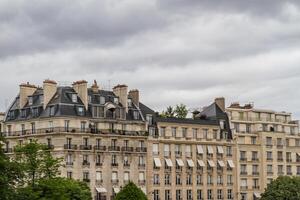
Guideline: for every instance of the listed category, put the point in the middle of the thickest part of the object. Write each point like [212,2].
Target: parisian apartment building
[109,137]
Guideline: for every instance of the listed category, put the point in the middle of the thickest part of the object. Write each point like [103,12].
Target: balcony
[99,164]
[243,159]
[49,146]
[280,159]
[255,173]
[141,149]
[255,187]
[99,148]
[114,164]
[280,173]
[127,149]
[244,187]
[244,173]
[126,165]
[85,164]
[87,180]
[142,165]
[85,147]
[289,173]
[99,182]
[113,148]
[142,182]
[70,146]
[7,150]
[115,181]
[269,159]
[255,159]
[270,173]
[167,153]
[279,146]
[289,160]
[69,163]
[269,145]
[178,153]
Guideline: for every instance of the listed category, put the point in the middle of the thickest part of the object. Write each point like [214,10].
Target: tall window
[155,149]
[33,127]
[67,125]
[74,98]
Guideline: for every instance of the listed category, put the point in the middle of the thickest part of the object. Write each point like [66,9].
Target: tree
[181,111]
[55,189]
[37,161]
[283,188]
[131,192]
[10,175]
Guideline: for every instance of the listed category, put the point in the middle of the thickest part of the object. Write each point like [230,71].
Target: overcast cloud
[173,51]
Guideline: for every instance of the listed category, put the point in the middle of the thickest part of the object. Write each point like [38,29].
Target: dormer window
[74,98]
[116,100]
[35,112]
[102,100]
[135,115]
[23,113]
[52,110]
[149,119]
[90,99]
[129,102]
[30,101]
[80,111]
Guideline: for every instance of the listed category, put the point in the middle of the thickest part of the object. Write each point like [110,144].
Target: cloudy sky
[173,51]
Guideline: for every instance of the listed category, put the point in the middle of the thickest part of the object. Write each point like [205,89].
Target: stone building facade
[108,138]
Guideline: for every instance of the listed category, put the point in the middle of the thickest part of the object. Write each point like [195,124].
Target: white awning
[190,163]
[210,150]
[298,154]
[201,163]
[179,162]
[220,150]
[157,162]
[116,190]
[200,149]
[257,195]
[211,163]
[230,163]
[101,190]
[144,190]
[169,162]
[221,163]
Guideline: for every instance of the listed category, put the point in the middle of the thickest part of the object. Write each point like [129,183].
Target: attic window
[90,99]
[52,110]
[135,115]
[80,111]
[116,100]
[30,100]
[129,102]
[23,113]
[102,100]
[74,98]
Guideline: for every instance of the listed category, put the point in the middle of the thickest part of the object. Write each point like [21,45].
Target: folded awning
[220,149]
[190,163]
[201,163]
[257,195]
[101,190]
[169,162]
[230,163]
[144,190]
[157,162]
[221,163]
[179,162]
[210,150]
[211,163]
[298,154]
[200,149]
[116,190]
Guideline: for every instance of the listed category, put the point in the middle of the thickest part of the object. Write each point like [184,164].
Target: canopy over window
[257,195]
[157,162]
[221,163]
[230,163]
[201,163]
[180,162]
[190,163]
[169,162]
[211,163]
[210,150]
[101,190]
[116,190]
[220,149]
[200,149]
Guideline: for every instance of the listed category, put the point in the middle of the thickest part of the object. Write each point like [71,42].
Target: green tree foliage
[37,161]
[131,192]
[55,189]
[10,175]
[283,188]
[180,111]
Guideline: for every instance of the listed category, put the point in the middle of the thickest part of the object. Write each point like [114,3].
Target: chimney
[95,87]
[135,96]
[80,88]
[121,92]
[220,101]
[50,88]
[26,90]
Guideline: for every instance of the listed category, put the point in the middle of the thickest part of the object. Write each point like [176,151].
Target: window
[155,149]
[114,159]
[23,129]
[141,176]
[253,140]
[265,127]
[209,180]
[248,128]
[237,127]
[167,195]
[244,184]
[126,176]
[156,179]
[242,155]
[166,150]
[189,195]
[86,176]
[184,131]
[189,179]
[30,101]
[80,111]
[254,155]
[269,141]
[220,194]
[69,175]
[188,150]
[199,195]
[98,176]
[243,169]
[82,126]
[149,119]
[35,112]
[167,179]
[74,98]
[23,113]
[51,128]
[229,151]
[102,100]
[269,155]
[177,149]
[178,195]
[155,195]
[67,124]
[114,176]
[219,179]
[270,169]
[229,194]
[33,127]
[209,194]
[49,142]
[135,115]
[195,132]
[178,179]
[199,179]
[280,169]
[173,129]
[229,180]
